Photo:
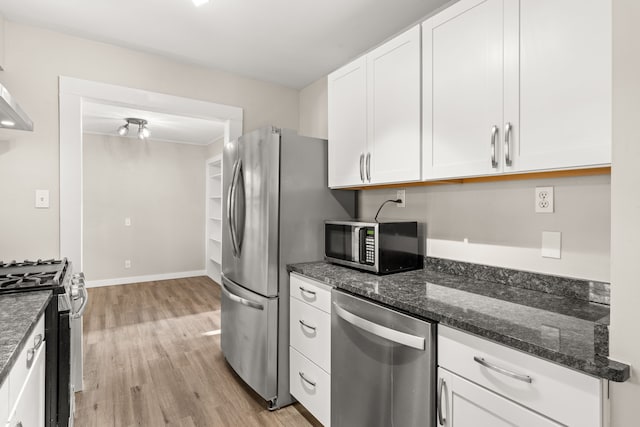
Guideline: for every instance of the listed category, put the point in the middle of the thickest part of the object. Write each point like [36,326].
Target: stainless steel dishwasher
[383,366]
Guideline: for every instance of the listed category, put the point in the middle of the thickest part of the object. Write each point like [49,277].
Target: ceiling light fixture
[7,123]
[199,2]
[143,130]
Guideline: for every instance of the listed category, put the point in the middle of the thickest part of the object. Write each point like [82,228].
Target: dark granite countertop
[19,314]
[565,329]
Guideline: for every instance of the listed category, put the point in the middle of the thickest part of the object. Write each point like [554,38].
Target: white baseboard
[148,278]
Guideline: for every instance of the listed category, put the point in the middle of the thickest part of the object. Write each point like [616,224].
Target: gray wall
[160,186]
[313,110]
[625,209]
[35,58]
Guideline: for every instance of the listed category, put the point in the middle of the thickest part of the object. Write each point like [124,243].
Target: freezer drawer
[382,366]
[249,337]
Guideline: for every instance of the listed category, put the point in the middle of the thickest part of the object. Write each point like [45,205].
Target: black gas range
[63,312]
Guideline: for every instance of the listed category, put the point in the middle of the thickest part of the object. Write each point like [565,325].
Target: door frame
[72,94]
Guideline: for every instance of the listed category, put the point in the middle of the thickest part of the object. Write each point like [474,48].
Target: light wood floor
[147,362]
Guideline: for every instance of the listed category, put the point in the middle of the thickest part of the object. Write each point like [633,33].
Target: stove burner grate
[26,280]
[27,262]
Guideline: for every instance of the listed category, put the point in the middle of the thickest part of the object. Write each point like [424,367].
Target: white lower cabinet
[310,346]
[484,384]
[462,403]
[4,402]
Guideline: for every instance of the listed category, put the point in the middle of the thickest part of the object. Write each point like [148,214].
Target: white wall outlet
[42,199]
[401,194]
[551,244]
[127,263]
[544,199]
[127,222]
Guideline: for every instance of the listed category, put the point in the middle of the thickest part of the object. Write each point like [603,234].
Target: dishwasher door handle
[381,331]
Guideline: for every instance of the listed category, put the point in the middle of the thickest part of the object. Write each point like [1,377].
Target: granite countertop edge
[17,349]
[601,366]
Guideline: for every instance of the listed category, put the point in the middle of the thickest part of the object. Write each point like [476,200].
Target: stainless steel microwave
[380,247]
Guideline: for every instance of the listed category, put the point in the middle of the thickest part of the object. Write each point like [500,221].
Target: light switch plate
[42,199]
[551,244]
[127,222]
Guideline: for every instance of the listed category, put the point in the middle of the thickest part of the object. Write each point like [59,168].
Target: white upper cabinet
[516,85]
[347,103]
[394,110]
[374,116]
[463,80]
[565,84]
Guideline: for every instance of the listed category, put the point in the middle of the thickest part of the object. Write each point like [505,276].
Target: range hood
[11,115]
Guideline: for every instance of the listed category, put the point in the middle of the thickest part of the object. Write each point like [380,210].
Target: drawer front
[311,292]
[24,362]
[570,397]
[30,406]
[310,333]
[311,386]
[4,402]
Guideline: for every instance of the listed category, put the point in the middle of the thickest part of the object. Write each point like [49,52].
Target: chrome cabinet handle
[307,380]
[494,137]
[369,167]
[381,331]
[362,167]
[307,291]
[442,418]
[30,355]
[508,161]
[503,371]
[37,341]
[240,300]
[313,328]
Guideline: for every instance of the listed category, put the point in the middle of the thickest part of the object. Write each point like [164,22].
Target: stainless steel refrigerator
[275,201]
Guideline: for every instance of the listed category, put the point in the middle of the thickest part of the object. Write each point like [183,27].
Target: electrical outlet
[401,194]
[127,263]
[544,199]
[42,199]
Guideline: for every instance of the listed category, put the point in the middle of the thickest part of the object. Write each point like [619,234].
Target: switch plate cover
[42,199]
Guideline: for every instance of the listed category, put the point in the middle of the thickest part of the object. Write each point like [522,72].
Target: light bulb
[123,130]
[8,123]
[145,131]
[140,133]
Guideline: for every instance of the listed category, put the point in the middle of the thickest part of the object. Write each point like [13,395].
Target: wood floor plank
[148,362]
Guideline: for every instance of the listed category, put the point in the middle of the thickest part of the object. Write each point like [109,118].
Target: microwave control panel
[369,246]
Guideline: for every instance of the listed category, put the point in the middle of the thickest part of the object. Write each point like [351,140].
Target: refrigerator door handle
[230,208]
[238,237]
[240,300]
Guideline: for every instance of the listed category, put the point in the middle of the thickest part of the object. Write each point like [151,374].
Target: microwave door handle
[355,244]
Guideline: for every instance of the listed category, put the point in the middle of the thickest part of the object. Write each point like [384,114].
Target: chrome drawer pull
[515,375]
[313,328]
[37,341]
[307,380]
[441,417]
[307,291]
[494,136]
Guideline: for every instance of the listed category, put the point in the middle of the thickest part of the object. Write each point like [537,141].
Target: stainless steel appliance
[62,317]
[380,247]
[275,201]
[383,366]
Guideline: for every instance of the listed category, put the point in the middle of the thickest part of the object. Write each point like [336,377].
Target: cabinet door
[462,403]
[565,83]
[394,109]
[463,89]
[347,98]
[29,409]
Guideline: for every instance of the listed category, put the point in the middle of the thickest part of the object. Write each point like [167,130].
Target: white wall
[625,206]
[160,186]
[35,58]
[501,225]
[313,110]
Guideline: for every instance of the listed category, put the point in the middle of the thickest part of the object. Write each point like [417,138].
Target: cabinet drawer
[24,362]
[570,397]
[310,332]
[30,406]
[310,291]
[311,386]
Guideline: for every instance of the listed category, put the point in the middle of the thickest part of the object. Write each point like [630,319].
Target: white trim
[73,92]
[141,279]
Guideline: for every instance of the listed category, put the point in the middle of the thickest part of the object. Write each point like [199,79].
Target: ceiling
[290,42]
[105,119]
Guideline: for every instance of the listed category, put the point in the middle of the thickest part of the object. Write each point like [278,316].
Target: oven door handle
[393,335]
[85,299]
